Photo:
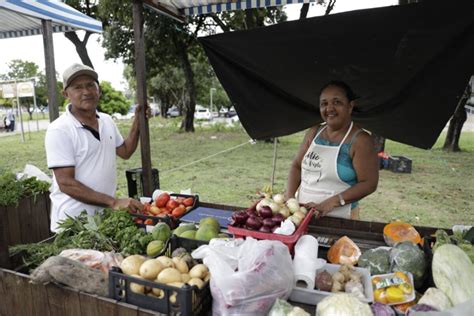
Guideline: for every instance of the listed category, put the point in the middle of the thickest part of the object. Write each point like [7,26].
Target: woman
[336,164]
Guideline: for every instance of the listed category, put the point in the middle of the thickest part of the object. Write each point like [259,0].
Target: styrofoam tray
[313,297]
[410,297]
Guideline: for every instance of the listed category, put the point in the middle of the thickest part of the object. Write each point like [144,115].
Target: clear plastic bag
[264,273]
[94,259]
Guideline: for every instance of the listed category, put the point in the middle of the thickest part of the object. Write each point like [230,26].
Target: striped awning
[179,9]
[23,18]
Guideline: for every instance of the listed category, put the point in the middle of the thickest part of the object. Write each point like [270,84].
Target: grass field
[439,191]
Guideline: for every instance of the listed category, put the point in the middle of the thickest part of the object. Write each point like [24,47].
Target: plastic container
[313,297]
[289,241]
[170,220]
[135,181]
[189,300]
[400,164]
[408,297]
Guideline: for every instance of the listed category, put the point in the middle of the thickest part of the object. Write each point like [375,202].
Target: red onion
[275,227]
[240,217]
[251,212]
[278,218]
[266,212]
[253,223]
[265,229]
[268,222]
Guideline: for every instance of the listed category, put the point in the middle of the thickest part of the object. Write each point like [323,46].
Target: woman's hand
[325,207]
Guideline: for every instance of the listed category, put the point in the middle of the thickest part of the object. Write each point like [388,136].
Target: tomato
[146,207]
[148,221]
[180,200]
[138,221]
[172,204]
[188,201]
[178,211]
[162,199]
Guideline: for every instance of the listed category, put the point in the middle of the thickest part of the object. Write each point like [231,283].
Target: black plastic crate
[189,300]
[400,164]
[177,242]
[135,182]
[171,221]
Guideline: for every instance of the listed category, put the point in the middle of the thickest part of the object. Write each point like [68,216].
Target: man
[81,148]
[10,119]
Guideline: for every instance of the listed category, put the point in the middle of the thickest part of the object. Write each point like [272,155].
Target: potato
[165,261]
[180,264]
[207,278]
[173,297]
[158,292]
[324,281]
[177,284]
[131,264]
[169,275]
[185,277]
[198,271]
[198,282]
[150,269]
[135,287]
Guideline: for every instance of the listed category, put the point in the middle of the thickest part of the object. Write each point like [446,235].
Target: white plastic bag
[33,171]
[247,277]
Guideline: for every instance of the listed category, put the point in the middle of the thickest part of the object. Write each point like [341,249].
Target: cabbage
[377,261]
[436,298]
[408,257]
[380,309]
[453,273]
[342,305]
[419,308]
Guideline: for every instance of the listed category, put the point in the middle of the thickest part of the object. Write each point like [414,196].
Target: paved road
[34,126]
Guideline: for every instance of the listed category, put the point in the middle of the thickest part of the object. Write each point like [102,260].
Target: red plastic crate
[289,241]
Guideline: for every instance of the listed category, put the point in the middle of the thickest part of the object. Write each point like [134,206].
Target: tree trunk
[456,123]
[81,48]
[304,11]
[190,104]
[379,142]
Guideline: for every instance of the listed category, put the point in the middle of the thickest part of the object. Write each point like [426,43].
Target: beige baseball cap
[76,70]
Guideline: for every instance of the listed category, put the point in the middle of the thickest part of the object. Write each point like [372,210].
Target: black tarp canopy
[409,64]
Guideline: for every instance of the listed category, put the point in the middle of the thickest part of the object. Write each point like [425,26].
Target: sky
[31,48]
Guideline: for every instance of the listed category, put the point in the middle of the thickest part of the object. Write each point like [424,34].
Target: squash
[398,231]
[453,273]
[344,251]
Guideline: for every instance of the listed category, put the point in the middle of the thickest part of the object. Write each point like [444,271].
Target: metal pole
[35,106]
[210,93]
[138,22]
[19,113]
[275,140]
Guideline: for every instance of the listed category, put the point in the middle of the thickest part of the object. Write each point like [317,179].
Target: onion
[285,212]
[299,214]
[240,217]
[265,229]
[277,219]
[266,212]
[293,205]
[264,202]
[295,219]
[269,222]
[275,207]
[303,210]
[275,228]
[253,223]
[250,212]
[279,198]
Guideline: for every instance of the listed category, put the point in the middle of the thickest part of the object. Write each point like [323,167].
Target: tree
[89,8]
[111,100]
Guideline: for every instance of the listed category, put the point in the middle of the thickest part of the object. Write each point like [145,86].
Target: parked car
[223,111]
[231,112]
[173,112]
[202,113]
[155,109]
[130,114]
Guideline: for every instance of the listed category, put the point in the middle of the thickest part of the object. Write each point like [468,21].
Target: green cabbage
[377,261]
[453,273]
[408,257]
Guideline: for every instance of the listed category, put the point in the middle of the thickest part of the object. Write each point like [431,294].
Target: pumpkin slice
[398,231]
[344,251]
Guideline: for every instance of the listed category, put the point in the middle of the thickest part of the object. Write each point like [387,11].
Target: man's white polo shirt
[69,144]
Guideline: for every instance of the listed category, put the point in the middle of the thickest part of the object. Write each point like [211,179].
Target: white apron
[319,178]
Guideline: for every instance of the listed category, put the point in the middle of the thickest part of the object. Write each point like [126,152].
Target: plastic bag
[264,273]
[33,171]
[344,251]
[94,259]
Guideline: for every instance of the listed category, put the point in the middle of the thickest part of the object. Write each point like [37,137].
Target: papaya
[183,228]
[161,232]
